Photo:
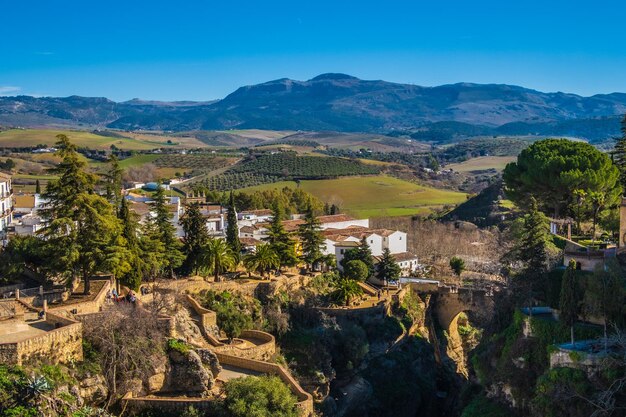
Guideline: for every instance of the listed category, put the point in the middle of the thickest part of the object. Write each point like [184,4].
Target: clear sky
[202,50]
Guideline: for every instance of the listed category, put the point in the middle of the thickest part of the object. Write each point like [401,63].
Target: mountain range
[339,102]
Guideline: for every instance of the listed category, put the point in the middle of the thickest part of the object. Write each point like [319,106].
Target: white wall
[375,242]
[396,242]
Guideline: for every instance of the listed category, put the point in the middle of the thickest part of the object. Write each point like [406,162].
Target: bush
[262,396]
[178,346]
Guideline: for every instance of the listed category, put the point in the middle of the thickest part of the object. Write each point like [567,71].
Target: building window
[341,251]
[400,237]
[371,240]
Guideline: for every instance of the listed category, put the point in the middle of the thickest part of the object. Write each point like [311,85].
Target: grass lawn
[375,196]
[33,137]
[482,163]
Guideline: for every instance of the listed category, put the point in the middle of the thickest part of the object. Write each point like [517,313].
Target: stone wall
[92,306]
[208,318]
[305,400]
[578,360]
[61,345]
[261,352]
[168,405]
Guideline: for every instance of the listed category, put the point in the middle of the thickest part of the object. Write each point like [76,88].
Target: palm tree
[262,260]
[346,289]
[219,257]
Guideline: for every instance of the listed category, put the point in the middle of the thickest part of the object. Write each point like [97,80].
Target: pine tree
[280,241]
[82,227]
[569,304]
[196,237]
[387,268]
[163,230]
[311,238]
[232,230]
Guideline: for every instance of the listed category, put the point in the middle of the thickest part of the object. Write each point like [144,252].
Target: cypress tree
[130,227]
[196,237]
[37,187]
[232,230]
[619,154]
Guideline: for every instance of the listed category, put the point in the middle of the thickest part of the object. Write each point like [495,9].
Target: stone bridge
[449,301]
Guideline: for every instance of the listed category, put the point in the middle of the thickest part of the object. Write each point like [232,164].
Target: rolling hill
[339,102]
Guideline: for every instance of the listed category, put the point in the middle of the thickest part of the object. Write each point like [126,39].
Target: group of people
[113,296]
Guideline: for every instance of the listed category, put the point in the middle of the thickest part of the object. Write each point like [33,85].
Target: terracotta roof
[140,208]
[249,241]
[333,218]
[247,229]
[404,256]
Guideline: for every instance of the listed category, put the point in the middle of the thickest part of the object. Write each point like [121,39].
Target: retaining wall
[208,318]
[86,307]
[170,405]
[305,400]
[263,351]
[60,345]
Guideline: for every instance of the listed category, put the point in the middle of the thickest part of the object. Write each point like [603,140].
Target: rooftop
[14,330]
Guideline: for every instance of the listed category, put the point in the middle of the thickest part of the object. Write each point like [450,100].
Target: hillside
[338,102]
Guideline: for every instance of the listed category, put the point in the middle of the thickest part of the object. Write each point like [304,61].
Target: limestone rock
[187,374]
[92,390]
[209,358]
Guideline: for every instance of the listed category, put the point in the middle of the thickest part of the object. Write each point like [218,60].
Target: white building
[6,204]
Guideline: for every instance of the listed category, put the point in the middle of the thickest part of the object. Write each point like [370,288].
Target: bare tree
[130,344]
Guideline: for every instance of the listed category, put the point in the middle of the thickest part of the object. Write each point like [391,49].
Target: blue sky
[202,50]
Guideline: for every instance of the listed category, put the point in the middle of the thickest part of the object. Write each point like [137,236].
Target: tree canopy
[551,170]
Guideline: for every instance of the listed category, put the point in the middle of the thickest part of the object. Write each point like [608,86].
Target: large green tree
[279,239]
[196,238]
[345,289]
[311,238]
[232,230]
[551,170]
[569,304]
[356,270]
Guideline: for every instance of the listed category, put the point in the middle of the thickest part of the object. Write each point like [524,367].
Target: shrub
[178,346]
[262,396]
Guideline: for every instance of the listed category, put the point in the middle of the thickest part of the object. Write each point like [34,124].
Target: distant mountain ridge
[339,102]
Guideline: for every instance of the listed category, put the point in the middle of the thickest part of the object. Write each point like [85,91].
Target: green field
[33,137]
[375,196]
[137,160]
[482,163]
